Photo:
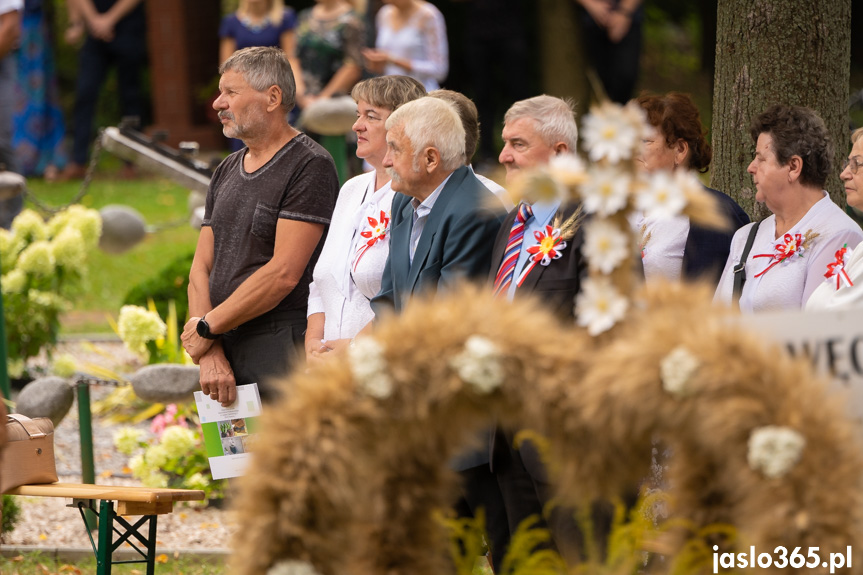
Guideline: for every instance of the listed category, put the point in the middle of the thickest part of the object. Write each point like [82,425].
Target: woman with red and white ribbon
[348,272]
[793,248]
[843,277]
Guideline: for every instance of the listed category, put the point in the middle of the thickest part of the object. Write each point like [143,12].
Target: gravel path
[47,522]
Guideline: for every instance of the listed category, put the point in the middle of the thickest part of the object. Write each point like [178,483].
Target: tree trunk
[777,51]
[562,53]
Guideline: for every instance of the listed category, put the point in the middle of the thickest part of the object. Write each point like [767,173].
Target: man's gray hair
[263,67]
[554,118]
[432,122]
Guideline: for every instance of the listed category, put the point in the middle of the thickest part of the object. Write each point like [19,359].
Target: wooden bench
[145,501]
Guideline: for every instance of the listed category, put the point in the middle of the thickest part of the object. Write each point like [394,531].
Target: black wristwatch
[204,329]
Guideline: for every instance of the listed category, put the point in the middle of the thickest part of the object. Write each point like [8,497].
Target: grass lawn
[163,205]
[33,563]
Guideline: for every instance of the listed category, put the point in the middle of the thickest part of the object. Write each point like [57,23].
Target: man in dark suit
[442,230]
[535,131]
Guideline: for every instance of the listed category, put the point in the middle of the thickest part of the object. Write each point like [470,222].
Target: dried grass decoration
[351,471]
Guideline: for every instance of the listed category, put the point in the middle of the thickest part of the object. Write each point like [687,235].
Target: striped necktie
[513,249]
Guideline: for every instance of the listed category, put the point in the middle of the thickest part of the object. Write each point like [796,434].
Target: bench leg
[106,530]
[151,546]
[105,546]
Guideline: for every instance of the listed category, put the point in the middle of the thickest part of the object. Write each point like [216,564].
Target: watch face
[203,328]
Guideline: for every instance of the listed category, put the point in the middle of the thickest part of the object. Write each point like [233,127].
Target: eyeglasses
[854,162]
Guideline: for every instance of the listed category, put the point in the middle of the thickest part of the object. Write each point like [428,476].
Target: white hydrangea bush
[171,455]
[138,326]
[43,266]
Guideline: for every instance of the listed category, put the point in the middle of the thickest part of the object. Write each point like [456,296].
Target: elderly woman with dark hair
[781,261]
[676,249]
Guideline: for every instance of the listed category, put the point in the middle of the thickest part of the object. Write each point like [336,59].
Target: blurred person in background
[790,249]
[39,126]
[842,287]
[674,248]
[10,34]
[496,53]
[260,23]
[612,31]
[470,121]
[411,39]
[330,39]
[115,37]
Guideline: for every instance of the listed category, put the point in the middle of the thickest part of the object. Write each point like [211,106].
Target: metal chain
[179,222]
[99,381]
[85,183]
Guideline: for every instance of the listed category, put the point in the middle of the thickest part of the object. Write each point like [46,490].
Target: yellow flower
[68,248]
[197,481]
[127,440]
[65,365]
[177,441]
[37,259]
[15,367]
[85,220]
[157,456]
[137,326]
[14,282]
[9,248]
[28,226]
[155,479]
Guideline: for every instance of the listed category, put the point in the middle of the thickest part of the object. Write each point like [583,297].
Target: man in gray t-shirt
[264,223]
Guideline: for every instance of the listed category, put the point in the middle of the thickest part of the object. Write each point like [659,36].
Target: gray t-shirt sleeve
[311,195]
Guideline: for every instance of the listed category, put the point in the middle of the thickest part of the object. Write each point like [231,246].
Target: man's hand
[217,377]
[195,345]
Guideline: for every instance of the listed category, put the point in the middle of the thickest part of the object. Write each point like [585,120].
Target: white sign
[832,341]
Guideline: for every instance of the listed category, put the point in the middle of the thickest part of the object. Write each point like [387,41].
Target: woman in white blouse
[411,39]
[792,248]
[348,272]
[843,278]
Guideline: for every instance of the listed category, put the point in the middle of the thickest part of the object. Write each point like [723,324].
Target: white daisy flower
[605,192]
[612,132]
[774,450]
[599,305]
[605,245]
[568,169]
[480,364]
[369,367]
[662,198]
[539,185]
[292,567]
[676,370]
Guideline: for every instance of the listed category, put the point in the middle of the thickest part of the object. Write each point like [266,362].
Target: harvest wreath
[352,462]
[351,465]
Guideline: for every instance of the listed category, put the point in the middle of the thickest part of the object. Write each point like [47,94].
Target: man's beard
[234,130]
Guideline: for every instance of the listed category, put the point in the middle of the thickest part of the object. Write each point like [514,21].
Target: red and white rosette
[789,246]
[548,247]
[375,232]
[837,269]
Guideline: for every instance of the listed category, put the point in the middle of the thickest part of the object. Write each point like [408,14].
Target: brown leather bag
[29,454]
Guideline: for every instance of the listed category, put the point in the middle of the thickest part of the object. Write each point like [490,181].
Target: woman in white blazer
[348,272]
